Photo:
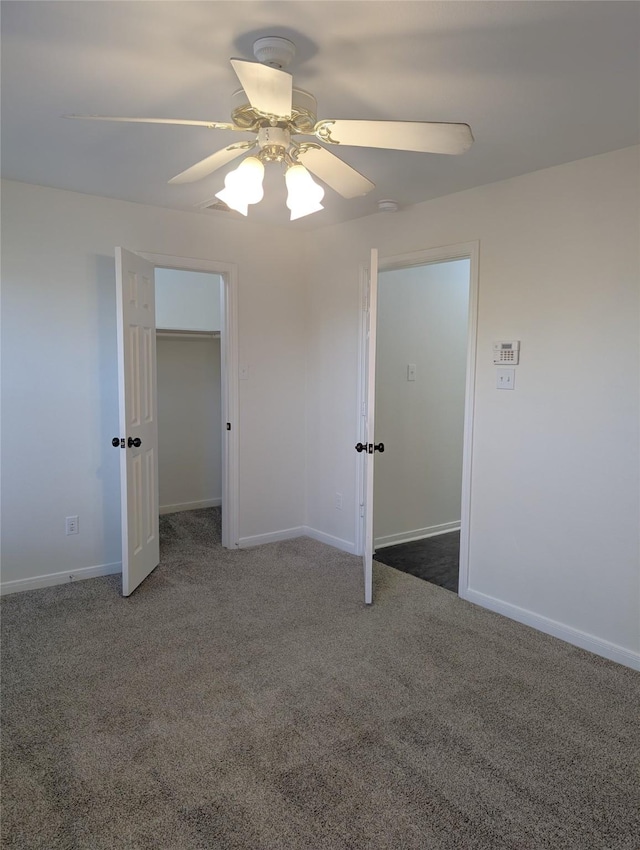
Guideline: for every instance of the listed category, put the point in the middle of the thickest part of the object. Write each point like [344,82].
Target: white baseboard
[271,537]
[65,577]
[190,506]
[416,534]
[330,540]
[292,533]
[559,630]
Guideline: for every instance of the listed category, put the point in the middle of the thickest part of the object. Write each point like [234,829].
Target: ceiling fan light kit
[270,107]
[304,194]
[243,185]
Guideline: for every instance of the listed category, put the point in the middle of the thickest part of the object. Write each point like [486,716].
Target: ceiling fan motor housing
[304,110]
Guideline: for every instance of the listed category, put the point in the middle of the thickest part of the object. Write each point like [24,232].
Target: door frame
[229,380]
[460,251]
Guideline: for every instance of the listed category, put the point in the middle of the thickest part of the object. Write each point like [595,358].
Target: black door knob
[137,442]
[361,447]
[115,442]
[379,447]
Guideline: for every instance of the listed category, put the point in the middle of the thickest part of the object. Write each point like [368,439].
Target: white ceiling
[540,83]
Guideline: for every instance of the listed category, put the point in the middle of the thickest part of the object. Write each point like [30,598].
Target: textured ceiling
[540,83]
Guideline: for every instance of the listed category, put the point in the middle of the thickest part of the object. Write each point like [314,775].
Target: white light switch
[411,372]
[505,379]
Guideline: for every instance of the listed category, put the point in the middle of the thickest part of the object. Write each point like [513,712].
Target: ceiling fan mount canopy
[274,50]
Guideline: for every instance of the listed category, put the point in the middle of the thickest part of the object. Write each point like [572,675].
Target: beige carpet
[250,700]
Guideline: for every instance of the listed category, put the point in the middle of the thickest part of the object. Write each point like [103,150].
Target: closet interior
[188,326]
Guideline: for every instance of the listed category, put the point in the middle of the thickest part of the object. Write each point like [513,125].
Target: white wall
[422,320]
[59,383]
[189,422]
[555,490]
[187,300]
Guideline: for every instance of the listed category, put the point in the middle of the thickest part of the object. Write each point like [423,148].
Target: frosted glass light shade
[304,194]
[243,185]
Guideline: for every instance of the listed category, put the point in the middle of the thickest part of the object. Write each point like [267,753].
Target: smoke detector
[274,51]
[387,205]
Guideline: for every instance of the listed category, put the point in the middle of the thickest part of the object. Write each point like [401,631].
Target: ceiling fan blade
[209,164]
[344,179]
[423,136]
[269,90]
[212,125]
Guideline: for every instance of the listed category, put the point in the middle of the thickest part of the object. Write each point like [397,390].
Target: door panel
[138,418]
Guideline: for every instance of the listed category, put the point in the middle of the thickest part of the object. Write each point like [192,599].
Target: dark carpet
[250,700]
[434,559]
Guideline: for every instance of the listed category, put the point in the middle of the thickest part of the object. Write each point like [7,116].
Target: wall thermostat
[506,352]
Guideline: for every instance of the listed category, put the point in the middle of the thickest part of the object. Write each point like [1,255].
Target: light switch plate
[505,379]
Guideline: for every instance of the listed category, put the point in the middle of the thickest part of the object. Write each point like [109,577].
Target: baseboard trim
[66,577]
[271,537]
[190,506]
[330,540]
[416,534]
[292,533]
[584,640]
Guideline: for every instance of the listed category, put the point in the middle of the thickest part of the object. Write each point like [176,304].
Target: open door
[138,446]
[368,445]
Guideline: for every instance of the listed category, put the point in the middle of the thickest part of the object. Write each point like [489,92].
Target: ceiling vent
[219,206]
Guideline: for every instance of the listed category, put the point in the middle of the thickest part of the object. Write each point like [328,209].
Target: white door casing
[368,421]
[136,333]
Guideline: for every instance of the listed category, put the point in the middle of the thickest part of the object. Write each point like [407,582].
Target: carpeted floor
[435,559]
[250,700]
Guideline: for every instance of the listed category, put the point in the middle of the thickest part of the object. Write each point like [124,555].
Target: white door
[368,445]
[136,321]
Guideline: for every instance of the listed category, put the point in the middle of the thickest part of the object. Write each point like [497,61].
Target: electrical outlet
[338,501]
[71,525]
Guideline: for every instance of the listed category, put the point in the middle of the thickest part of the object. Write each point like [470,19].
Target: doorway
[371,443]
[226,303]
[421,359]
[188,320]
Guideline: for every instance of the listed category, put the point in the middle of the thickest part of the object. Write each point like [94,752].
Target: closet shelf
[176,332]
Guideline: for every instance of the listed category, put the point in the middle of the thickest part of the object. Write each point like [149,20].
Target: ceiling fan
[281,117]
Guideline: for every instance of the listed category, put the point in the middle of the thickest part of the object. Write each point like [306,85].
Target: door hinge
[361,509]
[365,295]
